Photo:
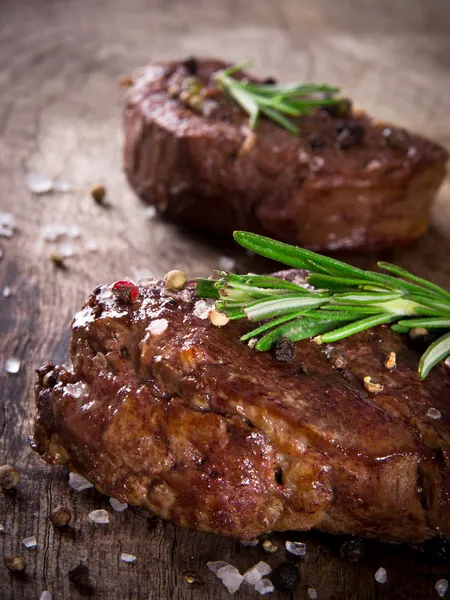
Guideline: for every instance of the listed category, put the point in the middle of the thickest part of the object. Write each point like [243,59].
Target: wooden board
[60,113]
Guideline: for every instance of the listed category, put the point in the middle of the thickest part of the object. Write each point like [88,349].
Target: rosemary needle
[339,301]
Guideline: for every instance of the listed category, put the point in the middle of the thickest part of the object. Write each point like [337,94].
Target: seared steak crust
[322,189]
[212,435]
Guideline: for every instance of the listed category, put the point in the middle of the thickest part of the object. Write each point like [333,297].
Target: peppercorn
[394,138]
[58,260]
[192,578]
[343,108]
[9,477]
[285,577]
[269,547]
[349,134]
[270,81]
[98,192]
[315,142]
[285,350]
[191,65]
[79,576]
[60,516]
[175,280]
[15,563]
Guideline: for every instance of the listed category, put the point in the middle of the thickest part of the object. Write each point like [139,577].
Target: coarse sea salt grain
[249,542]
[441,587]
[150,212]
[230,577]
[38,183]
[73,232]
[434,413]
[226,263]
[45,595]
[2,527]
[312,593]
[76,390]
[6,291]
[7,224]
[297,548]
[215,565]
[90,245]
[381,575]
[118,506]
[99,516]
[264,586]
[65,249]
[158,327]
[127,558]
[12,366]
[78,482]
[257,572]
[61,186]
[52,233]
[202,309]
[30,542]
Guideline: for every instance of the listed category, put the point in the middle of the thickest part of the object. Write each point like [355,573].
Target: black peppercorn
[79,577]
[285,350]
[315,142]
[394,138]
[285,577]
[349,134]
[191,65]
[270,81]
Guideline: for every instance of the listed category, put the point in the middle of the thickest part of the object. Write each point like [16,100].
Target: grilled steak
[166,411]
[346,182]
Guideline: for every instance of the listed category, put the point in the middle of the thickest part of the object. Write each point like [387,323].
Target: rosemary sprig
[338,301]
[277,102]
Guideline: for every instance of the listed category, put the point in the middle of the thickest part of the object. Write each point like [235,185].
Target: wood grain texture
[60,113]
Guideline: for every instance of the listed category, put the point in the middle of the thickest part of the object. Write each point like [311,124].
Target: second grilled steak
[346,181]
[166,411]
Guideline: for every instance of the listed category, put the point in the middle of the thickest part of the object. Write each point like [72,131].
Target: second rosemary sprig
[335,301]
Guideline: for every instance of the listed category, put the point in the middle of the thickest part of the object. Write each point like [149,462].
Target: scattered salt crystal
[128,558]
[185,296]
[52,233]
[201,309]
[6,291]
[38,183]
[441,587]
[62,186]
[12,366]
[74,231]
[434,413]
[297,548]
[256,573]
[158,327]
[312,593]
[381,575]
[264,586]
[446,363]
[76,390]
[91,245]
[118,506]
[215,565]
[150,212]
[412,151]
[226,263]
[7,224]
[30,542]
[65,249]
[105,292]
[78,482]
[99,516]
[249,542]
[373,165]
[316,163]
[2,527]
[230,577]
[45,596]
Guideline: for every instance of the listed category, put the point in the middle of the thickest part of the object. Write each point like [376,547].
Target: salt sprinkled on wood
[46,595]
[78,482]
[6,291]
[12,366]
[434,413]
[2,527]
[264,586]
[230,577]
[7,225]
[99,516]
[381,575]
[38,183]
[63,187]
[118,506]
[215,565]
[127,558]
[257,572]
[65,249]
[249,542]
[90,245]
[30,542]
[158,327]
[312,593]
[441,587]
[51,233]
[297,548]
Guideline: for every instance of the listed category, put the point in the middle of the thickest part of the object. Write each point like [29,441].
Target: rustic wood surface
[60,113]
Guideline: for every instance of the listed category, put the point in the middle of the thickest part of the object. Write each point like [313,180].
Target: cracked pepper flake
[78,482]
[99,516]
